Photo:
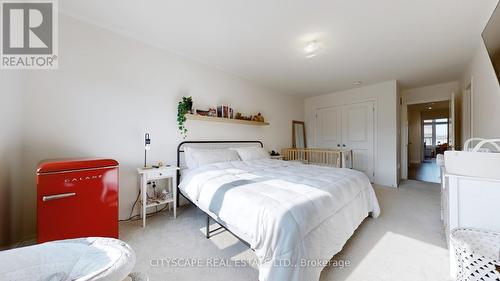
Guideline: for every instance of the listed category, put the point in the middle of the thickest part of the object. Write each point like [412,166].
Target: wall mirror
[299,134]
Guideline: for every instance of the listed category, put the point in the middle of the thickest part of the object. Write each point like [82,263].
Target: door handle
[57,196]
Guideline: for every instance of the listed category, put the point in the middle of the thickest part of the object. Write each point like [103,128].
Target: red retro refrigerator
[77,198]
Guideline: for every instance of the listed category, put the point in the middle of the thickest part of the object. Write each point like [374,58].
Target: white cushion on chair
[73,259]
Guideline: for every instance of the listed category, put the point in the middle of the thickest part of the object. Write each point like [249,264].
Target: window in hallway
[435,132]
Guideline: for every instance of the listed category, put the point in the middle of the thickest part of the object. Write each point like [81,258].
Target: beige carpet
[405,243]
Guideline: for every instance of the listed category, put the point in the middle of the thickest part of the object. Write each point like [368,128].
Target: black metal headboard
[180,150]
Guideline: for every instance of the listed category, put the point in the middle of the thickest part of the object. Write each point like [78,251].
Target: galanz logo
[86,178]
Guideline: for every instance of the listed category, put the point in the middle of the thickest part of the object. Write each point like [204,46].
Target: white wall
[437,92]
[11,97]
[110,90]
[385,97]
[485,94]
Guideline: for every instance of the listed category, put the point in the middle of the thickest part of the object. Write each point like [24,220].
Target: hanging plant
[185,106]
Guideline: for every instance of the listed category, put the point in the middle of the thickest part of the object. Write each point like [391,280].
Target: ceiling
[435,106]
[416,42]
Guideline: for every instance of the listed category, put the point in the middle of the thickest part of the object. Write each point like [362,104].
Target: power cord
[154,194]
[138,216]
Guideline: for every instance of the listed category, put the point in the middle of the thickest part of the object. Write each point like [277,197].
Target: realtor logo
[29,34]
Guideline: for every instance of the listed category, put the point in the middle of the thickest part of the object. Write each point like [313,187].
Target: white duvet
[295,216]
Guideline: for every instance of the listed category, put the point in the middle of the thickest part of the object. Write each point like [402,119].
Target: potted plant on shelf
[184,107]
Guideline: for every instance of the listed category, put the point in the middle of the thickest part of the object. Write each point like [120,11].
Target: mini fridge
[77,198]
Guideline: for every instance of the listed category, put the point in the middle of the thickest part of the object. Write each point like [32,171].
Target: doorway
[428,136]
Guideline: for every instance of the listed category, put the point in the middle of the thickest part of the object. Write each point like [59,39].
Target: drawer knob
[161,174]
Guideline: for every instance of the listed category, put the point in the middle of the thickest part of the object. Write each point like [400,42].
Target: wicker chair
[477,253]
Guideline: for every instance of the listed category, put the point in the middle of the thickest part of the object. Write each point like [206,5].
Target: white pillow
[197,157]
[252,153]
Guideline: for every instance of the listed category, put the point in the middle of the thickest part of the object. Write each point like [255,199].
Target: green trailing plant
[184,107]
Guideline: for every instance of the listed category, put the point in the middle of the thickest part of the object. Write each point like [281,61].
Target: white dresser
[470,202]
[470,193]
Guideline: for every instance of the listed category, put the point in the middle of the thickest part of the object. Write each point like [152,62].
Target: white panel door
[329,127]
[451,123]
[466,116]
[358,135]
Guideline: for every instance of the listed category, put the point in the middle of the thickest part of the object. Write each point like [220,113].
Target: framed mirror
[298,134]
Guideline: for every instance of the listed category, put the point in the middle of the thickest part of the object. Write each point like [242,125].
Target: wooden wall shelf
[224,120]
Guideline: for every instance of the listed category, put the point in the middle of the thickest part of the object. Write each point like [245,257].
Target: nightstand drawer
[152,175]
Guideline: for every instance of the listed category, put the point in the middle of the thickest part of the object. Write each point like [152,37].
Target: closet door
[329,127]
[358,135]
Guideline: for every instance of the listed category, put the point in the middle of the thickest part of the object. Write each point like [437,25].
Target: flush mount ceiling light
[311,49]
[357,83]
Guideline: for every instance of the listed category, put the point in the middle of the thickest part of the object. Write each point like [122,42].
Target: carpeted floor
[405,243]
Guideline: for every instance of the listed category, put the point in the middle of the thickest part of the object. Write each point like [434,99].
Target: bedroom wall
[11,97]
[385,96]
[485,94]
[109,90]
[437,92]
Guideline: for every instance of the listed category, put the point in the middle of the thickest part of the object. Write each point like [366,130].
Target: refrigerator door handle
[57,196]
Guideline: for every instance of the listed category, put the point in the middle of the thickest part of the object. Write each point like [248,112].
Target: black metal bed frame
[179,151]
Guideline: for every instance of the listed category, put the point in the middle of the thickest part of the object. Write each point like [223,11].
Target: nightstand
[277,157]
[153,174]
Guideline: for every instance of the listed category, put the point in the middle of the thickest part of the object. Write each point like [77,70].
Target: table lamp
[147,146]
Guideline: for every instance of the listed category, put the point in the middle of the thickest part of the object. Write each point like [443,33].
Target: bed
[295,217]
